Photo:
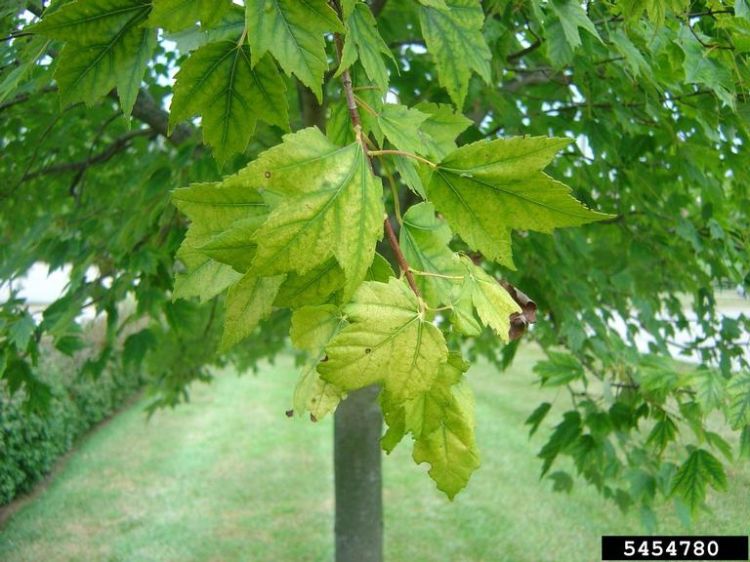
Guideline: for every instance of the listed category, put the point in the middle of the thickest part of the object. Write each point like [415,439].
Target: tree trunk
[356,442]
[359,490]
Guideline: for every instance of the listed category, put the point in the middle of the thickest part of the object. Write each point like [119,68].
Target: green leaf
[424,241]
[454,37]
[332,206]
[559,369]
[363,42]
[488,188]
[388,341]
[745,443]
[739,400]
[741,9]
[709,385]
[400,125]
[702,68]
[106,47]
[249,301]
[699,470]
[564,435]
[572,16]
[662,434]
[312,328]
[219,83]
[537,416]
[293,32]
[440,129]
[380,270]
[27,59]
[174,15]
[136,347]
[20,331]
[561,481]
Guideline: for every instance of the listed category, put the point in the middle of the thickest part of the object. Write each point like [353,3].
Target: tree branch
[148,111]
[351,102]
[113,149]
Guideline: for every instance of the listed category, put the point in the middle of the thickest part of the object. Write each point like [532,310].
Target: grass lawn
[228,477]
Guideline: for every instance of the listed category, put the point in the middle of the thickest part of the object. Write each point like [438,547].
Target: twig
[351,103]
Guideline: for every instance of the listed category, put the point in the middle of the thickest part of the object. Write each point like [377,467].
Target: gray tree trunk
[359,491]
[356,442]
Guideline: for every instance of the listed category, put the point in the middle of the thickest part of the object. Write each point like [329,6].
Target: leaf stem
[402,153]
[394,194]
[242,37]
[438,275]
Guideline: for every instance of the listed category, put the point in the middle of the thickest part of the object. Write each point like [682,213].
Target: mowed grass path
[229,478]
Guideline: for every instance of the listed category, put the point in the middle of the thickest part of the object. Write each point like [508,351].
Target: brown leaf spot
[267,174]
[289,413]
[313,418]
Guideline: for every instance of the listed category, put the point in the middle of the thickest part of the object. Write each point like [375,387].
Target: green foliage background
[655,94]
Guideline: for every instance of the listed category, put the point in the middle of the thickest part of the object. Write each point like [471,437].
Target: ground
[229,477]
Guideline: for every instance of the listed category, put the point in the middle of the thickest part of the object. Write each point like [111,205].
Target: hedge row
[30,443]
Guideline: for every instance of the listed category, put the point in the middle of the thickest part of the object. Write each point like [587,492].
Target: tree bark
[358,481]
[358,424]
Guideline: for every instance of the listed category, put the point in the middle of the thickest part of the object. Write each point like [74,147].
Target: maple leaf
[293,32]
[454,37]
[329,203]
[388,340]
[488,188]
[106,47]
[218,82]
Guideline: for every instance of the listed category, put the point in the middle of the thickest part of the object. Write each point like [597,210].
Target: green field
[228,477]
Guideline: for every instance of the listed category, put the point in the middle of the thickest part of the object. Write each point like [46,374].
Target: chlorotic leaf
[106,47]
[454,37]
[442,422]
[312,328]
[493,303]
[203,277]
[316,287]
[424,241]
[363,42]
[293,32]
[224,220]
[488,188]
[331,206]
[248,302]
[219,83]
[388,341]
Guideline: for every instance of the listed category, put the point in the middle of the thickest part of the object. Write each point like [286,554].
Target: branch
[351,103]
[21,98]
[376,6]
[148,111]
[113,149]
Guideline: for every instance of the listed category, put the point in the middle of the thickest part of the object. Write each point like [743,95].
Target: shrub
[31,442]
